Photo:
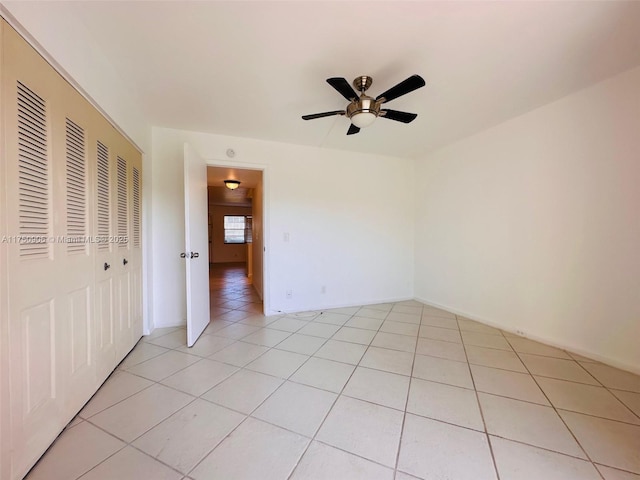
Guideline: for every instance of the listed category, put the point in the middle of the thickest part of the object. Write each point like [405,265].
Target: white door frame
[266,303]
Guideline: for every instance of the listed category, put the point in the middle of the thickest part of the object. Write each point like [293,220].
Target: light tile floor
[396,391]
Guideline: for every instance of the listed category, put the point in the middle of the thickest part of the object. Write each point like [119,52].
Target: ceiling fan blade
[403,117]
[323,114]
[343,87]
[353,130]
[409,85]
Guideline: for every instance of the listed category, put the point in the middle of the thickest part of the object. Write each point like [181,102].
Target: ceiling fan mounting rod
[362,83]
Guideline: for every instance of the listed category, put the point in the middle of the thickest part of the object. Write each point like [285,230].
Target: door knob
[183,255]
[195,254]
[106,266]
[125,261]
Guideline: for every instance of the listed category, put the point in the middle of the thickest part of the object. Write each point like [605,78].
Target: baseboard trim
[613,362]
[320,308]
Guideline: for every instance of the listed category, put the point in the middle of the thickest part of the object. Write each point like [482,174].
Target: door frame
[266,303]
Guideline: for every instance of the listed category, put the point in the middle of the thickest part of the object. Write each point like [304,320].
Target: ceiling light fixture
[364,111]
[232,184]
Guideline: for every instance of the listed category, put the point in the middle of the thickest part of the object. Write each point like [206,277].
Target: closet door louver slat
[123,224]
[76,189]
[33,175]
[136,207]
[104,218]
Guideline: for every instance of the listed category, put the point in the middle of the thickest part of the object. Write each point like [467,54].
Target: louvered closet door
[104,212]
[118,257]
[124,320]
[5,372]
[73,248]
[38,310]
[72,276]
[129,261]
[135,251]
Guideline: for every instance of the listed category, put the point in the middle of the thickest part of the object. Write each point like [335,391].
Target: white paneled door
[196,243]
[104,257]
[39,310]
[124,324]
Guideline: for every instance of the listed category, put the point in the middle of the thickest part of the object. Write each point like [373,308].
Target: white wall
[534,225]
[350,227]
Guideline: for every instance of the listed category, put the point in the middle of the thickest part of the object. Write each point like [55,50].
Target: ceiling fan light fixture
[363,119]
[363,112]
[231,184]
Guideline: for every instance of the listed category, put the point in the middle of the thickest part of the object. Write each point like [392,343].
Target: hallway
[230,289]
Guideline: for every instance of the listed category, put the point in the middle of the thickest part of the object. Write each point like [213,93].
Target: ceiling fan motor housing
[364,104]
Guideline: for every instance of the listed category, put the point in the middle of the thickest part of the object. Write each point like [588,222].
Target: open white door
[196,243]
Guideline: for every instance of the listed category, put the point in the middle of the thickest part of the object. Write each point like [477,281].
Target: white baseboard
[342,305]
[614,362]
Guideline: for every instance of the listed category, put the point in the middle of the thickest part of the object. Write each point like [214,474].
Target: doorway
[235,217]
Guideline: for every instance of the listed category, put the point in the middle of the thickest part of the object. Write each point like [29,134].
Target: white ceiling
[251,69]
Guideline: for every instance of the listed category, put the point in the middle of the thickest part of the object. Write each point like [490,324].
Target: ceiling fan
[362,109]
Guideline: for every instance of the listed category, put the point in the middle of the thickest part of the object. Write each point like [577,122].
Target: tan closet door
[38,307]
[71,214]
[124,321]
[104,257]
[118,251]
[135,252]
[72,247]
[5,414]
[117,221]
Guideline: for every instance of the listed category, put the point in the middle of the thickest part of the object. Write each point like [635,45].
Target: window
[235,229]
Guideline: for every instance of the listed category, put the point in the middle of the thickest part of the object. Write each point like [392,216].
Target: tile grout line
[90,468]
[249,415]
[609,389]
[600,385]
[204,457]
[406,402]
[126,443]
[484,423]
[130,443]
[560,416]
[332,407]
[623,402]
[118,402]
[339,395]
[155,382]
[591,415]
